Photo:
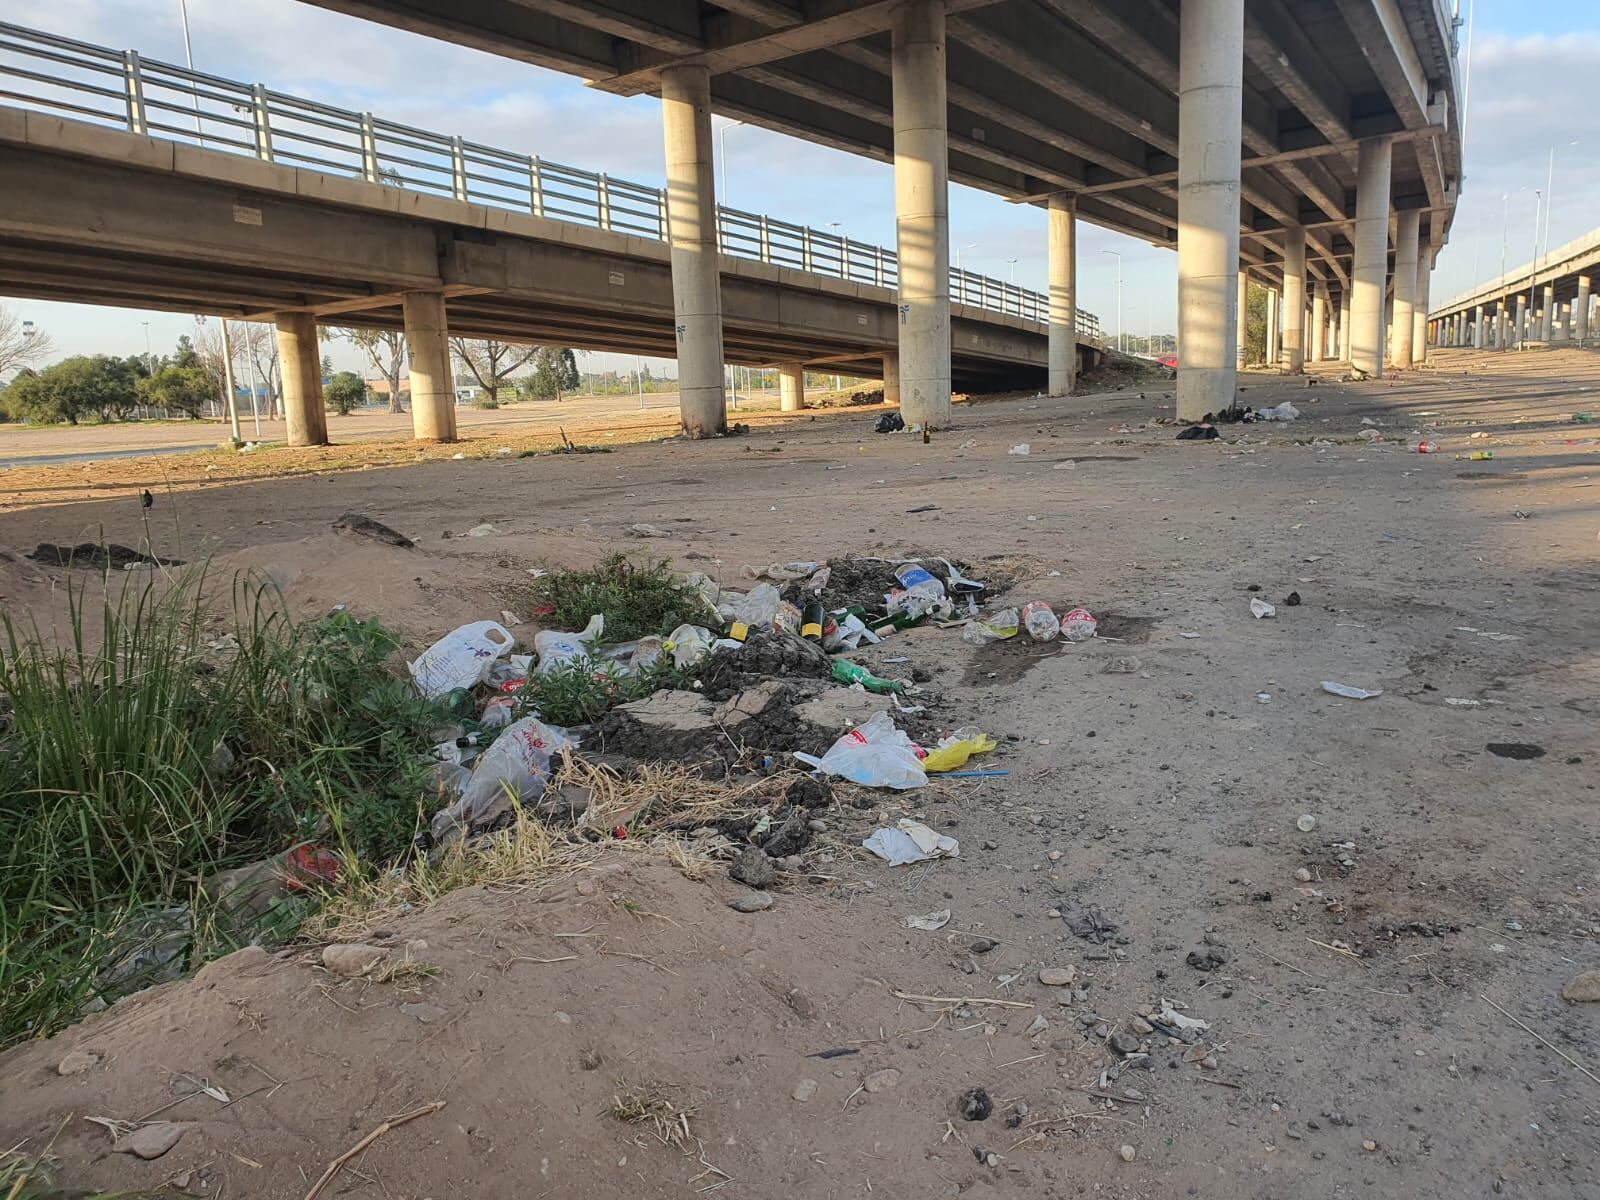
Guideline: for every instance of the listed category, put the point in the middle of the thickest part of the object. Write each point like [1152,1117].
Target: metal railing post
[261,121]
[369,150]
[536,186]
[766,241]
[805,248]
[661,214]
[133,90]
[877,266]
[458,169]
[603,202]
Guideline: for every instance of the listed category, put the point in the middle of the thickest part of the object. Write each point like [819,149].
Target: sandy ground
[1357,1044]
[18,444]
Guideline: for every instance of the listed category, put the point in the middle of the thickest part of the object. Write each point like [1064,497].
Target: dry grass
[651,806]
[650,1106]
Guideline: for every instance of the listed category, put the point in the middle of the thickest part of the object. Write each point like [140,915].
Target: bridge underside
[131,225]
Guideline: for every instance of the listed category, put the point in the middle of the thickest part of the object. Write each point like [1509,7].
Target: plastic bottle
[1078,625]
[921,592]
[1041,623]
[811,620]
[1426,447]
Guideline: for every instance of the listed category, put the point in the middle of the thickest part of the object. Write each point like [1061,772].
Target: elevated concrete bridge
[1283,138]
[1547,301]
[188,192]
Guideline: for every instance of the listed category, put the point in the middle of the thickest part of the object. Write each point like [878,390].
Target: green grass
[156,746]
[638,599]
[582,693]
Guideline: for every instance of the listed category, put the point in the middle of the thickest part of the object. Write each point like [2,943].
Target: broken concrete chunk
[351,959]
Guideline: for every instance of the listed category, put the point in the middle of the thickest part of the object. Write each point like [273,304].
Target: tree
[185,355]
[345,392]
[75,389]
[491,363]
[1255,318]
[261,345]
[555,370]
[386,350]
[20,344]
[181,389]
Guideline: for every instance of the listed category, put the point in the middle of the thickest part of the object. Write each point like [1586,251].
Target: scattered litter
[1199,433]
[890,422]
[1021,450]
[644,530]
[514,769]
[1089,922]
[954,751]
[1520,751]
[1079,625]
[873,754]
[1066,464]
[1306,823]
[1349,692]
[1259,608]
[461,658]
[998,628]
[1282,412]
[931,922]
[558,648]
[1170,1016]
[911,842]
[1189,635]
[1041,623]
[1462,702]
[849,673]
[484,530]
[922,508]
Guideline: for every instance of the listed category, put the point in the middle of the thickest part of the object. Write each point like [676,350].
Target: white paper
[911,842]
[1348,692]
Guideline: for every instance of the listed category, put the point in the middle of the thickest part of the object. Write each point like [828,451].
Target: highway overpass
[1287,138]
[131,182]
[1545,301]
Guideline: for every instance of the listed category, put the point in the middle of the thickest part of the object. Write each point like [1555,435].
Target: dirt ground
[1388,1023]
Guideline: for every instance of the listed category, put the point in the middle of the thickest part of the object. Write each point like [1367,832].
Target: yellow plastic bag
[954,750]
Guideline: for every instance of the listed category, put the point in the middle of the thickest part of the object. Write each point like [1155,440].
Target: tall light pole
[1549,191]
[1118,253]
[1011,270]
[1533,274]
[188,61]
[959,249]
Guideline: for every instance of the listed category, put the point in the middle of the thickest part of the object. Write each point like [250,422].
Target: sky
[1528,93]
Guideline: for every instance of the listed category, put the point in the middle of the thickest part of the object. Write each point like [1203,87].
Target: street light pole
[722,139]
[1533,275]
[1118,253]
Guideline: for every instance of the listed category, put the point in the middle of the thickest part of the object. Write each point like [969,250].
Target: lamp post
[1011,270]
[1118,253]
[722,141]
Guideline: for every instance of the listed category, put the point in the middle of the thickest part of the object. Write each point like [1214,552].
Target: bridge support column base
[433,394]
[1063,265]
[1580,311]
[303,412]
[891,377]
[1210,104]
[1294,299]
[692,236]
[1317,343]
[921,210]
[791,387]
[1367,278]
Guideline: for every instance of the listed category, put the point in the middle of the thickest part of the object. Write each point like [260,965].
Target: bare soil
[1353,1021]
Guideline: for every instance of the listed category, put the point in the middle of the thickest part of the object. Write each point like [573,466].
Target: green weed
[638,599]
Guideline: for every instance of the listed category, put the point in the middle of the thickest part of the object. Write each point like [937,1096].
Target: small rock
[991,845]
[1039,1025]
[1208,959]
[426,1014]
[817,825]
[77,1062]
[974,1105]
[982,946]
[1133,1094]
[881,1081]
[1054,856]
[586,887]
[1124,1043]
[1369,1145]
[1212,938]
[1102,1030]
[150,1141]
[753,868]
[351,959]
[803,1091]
[1057,976]
[1581,989]
[1140,1025]
[751,902]
[1303,875]
[1209,1062]
[1126,1153]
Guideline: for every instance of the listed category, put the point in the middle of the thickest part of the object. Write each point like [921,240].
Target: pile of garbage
[760,687]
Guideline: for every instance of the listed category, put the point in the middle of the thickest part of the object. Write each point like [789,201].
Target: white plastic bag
[688,644]
[873,754]
[556,647]
[461,658]
[911,842]
[517,764]
[756,609]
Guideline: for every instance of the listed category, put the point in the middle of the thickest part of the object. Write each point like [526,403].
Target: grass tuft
[638,599]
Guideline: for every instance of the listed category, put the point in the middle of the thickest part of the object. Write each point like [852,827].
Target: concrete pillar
[1062,216]
[1547,313]
[1373,160]
[891,377]
[1344,324]
[1580,311]
[692,236]
[1521,332]
[1561,329]
[1419,317]
[791,387]
[1317,346]
[1244,319]
[1210,106]
[1406,227]
[1477,328]
[433,394]
[1272,339]
[921,210]
[302,379]
[1294,299]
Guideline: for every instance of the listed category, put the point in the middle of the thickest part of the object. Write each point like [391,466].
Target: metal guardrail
[66,77]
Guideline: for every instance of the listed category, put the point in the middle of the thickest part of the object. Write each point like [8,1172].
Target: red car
[1168,360]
